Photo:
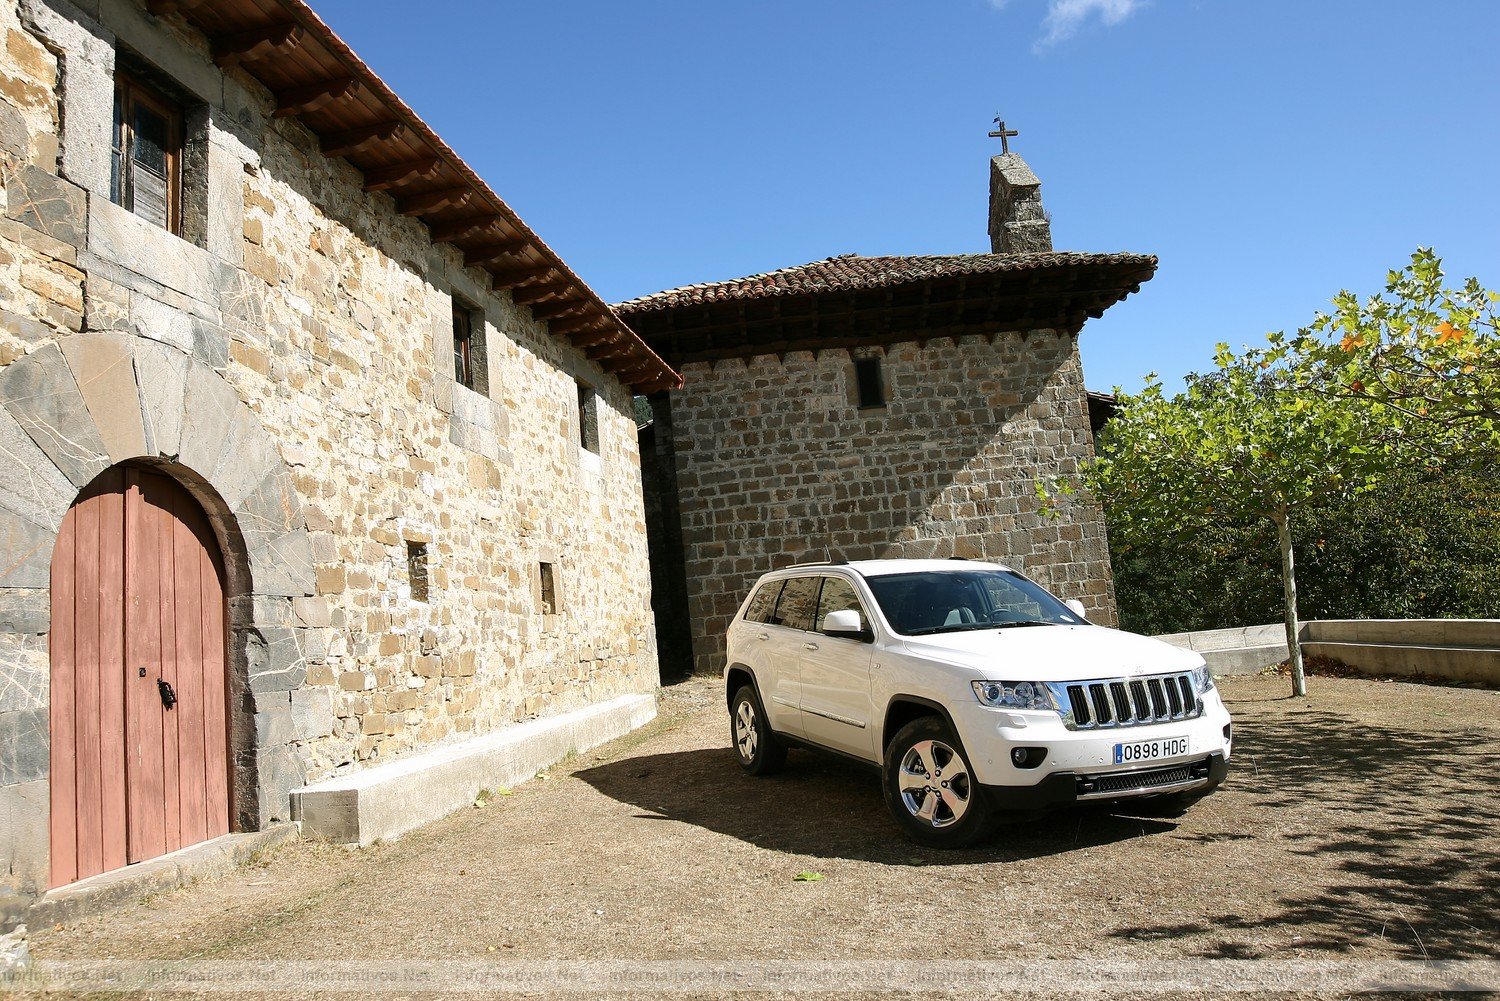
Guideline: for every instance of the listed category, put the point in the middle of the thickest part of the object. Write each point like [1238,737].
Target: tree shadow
[1413,818]
[829,807]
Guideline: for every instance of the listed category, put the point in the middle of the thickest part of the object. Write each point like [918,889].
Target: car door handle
[764,636]
[809,646]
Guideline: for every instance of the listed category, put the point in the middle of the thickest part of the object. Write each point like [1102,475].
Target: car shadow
[828,807]
[1409,817]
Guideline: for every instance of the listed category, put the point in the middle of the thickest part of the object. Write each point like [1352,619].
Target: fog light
[1027,757]
[1226,732]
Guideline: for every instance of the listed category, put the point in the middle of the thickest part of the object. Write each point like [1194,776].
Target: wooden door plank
[112,668]
[88,785]
[142,701]
[187,586]
[215,638]
[161,498]
[64,816]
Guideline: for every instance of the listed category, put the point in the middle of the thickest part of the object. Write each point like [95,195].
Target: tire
[755,745]
[930,788]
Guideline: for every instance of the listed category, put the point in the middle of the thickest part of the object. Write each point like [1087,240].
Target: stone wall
[292,364]
[776,464]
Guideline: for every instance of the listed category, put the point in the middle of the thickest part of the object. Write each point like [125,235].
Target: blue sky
[1269,152]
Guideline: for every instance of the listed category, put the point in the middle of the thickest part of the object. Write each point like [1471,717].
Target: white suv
[977,691]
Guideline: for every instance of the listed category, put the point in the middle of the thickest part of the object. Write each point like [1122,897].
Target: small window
[795,607]
[416,569]
[870,382]
[838,595]
[146,154]
[763,602]
[549,589]
[588,418]
[469,365]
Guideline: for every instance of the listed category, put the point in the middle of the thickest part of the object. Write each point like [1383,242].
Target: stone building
[861,407]
[313,456]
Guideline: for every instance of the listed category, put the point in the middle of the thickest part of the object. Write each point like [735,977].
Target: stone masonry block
[25,671]
[24,748]
[103,366]
[47,203]
[161,375]
[30,485]
[41,395]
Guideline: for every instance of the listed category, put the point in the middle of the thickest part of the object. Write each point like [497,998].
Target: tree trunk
[1289,588]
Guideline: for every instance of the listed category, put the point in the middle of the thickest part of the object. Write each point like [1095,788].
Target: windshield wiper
[1018,625]
[962,628]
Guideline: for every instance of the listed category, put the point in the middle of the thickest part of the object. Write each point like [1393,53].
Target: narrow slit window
[588,418]
[468,347]
[146,154]
[416,569]
[870,382]
[549,590]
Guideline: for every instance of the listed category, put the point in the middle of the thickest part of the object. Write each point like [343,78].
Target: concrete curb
[135,882]
[386,801]
[1466,650]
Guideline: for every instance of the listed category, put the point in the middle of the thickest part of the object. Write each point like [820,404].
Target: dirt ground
[1362,822]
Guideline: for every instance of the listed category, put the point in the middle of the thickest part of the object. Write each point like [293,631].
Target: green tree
[1426,349]
[1240,446]
[1424,543]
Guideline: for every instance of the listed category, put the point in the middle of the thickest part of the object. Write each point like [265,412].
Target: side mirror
[1076,607]
[847,624]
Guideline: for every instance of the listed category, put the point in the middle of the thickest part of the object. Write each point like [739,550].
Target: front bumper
[1201,776]
[990,735]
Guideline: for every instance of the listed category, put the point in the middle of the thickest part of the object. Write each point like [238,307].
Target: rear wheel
[755,745]
[930,788]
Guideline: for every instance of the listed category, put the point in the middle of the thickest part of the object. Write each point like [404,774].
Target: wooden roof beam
[608,349]
[554,310]
[313,96]
[434,201]
[497,253]
[395,175]
[257,43]
[361,139]
[160,7]
[459,229]
[536,293]
[519,275]
[587,338]
[631,373]
[578,328]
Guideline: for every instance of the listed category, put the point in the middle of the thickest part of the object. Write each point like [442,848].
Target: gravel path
[1362,822]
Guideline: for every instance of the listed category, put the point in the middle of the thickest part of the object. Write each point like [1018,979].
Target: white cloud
[1065,17]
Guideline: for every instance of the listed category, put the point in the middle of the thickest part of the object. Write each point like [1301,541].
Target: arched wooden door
[140,741]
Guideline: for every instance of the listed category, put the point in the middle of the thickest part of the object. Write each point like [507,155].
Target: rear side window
[763,602]
[795,607]
[838,595]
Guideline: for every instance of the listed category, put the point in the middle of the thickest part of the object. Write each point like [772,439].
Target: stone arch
[70,410]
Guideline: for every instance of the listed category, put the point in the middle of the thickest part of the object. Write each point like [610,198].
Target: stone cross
[1003,134]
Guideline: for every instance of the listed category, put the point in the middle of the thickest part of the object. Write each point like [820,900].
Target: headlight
[1202,680]
[1014,694]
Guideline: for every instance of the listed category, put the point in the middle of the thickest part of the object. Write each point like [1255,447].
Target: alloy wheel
[934,782]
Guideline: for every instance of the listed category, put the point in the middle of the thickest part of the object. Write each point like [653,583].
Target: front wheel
[930,788]
[756,746]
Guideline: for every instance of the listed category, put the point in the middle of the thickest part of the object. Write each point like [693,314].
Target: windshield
[946,601]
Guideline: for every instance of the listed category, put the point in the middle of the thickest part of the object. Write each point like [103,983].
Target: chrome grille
[1118,702]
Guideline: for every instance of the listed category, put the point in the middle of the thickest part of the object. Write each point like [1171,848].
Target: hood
[1053,653]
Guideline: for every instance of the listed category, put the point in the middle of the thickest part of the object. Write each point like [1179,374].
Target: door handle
[168,697]
[764,636]
[809,646]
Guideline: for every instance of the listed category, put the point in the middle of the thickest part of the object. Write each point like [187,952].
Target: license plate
[1150,750]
